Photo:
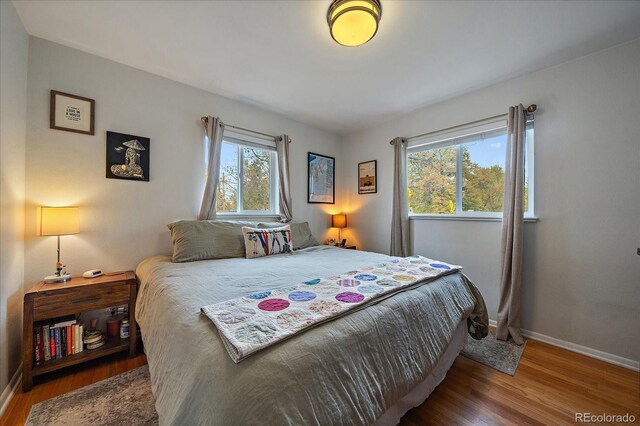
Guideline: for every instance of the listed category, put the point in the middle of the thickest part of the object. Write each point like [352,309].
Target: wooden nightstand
[48,301]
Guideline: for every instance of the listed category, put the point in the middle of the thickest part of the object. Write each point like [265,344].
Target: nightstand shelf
[113,345]
[45,302]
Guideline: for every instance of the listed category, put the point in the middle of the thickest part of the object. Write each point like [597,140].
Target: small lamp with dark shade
[339,221]
[57,221]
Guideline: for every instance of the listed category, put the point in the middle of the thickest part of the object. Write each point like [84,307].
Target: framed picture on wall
[367,177]
[127,156]
[321,179]
[71,113]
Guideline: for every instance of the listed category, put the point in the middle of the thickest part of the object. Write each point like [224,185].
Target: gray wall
[581,269]
[123,222]
[14,46]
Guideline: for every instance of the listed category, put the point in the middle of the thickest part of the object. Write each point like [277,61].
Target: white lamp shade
[59,221]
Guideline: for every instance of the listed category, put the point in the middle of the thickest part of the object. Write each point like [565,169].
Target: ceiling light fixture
[354,22]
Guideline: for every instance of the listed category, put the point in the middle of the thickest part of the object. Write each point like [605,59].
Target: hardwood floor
[550,386]
[63,381]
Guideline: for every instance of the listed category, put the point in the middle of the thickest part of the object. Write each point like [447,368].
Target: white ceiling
[279,54]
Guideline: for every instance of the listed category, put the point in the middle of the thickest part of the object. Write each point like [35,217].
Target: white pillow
[260,242]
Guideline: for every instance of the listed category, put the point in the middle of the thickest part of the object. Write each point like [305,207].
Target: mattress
[349,371]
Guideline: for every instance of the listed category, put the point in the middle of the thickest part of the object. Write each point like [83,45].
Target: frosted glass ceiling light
[353,22]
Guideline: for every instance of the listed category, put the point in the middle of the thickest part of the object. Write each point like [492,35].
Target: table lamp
[339,221]
[59,221]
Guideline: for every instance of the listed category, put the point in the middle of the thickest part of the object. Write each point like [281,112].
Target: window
[461,174]
[248,182]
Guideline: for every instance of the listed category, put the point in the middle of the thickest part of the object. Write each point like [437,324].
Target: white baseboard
[584,350]
[10,390]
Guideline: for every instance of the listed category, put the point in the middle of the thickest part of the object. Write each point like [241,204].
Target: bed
[367,367]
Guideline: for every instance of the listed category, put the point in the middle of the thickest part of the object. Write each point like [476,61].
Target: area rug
[125,399]
[503,356]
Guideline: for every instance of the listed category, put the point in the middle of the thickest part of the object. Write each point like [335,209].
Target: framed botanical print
[367,177]
[321,179]
[127,156]
[71,113]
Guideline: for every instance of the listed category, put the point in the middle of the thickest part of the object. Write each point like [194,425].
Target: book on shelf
[52,342]
[46,340]
[58,346]
[56,338]
[63,341]
[37,345]
[80,342]
[65,321]
[69,336]
[73,338]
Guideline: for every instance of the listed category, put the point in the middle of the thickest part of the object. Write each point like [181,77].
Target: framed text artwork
[321,178]
[367,177]
[127,156]
[71,113]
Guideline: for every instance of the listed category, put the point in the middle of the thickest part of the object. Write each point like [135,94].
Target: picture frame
[368,177]
[321,176]
[127,157]
[72,113]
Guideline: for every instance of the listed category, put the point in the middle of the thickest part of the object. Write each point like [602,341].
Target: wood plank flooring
[550,386]
[63,381]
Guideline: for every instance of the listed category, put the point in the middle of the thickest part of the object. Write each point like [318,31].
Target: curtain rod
[204,120]
[528,110]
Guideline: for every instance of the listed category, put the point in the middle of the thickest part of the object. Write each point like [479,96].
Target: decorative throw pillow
[205,239]
[300,234]
[260,242]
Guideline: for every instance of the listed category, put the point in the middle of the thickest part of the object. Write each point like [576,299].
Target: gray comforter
[348,371]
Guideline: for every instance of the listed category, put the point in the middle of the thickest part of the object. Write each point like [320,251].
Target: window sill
[248,217]
[465,218]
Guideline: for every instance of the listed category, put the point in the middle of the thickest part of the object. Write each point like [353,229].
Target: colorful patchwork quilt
[256,321]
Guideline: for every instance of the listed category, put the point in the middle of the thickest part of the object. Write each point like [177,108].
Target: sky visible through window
[229,156]
[489,152]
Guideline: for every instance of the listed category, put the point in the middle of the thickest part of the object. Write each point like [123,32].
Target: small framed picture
[367,177]
[72,113]
[321,179]
[127,156]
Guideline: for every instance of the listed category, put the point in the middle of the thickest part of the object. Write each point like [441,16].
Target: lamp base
[57,278]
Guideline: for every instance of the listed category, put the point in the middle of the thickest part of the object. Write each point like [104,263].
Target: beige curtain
[215,129]
[512,228]
[400,213]
[282,149]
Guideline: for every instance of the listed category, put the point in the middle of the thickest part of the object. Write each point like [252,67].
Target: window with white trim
[461,173]
[248,181]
